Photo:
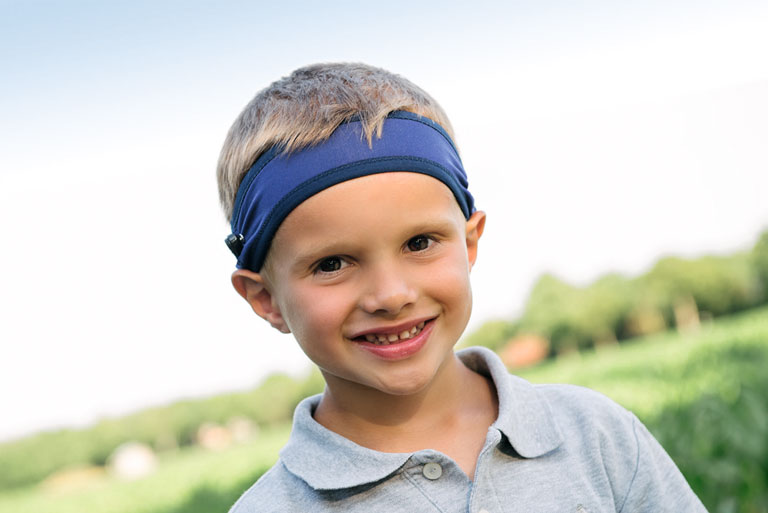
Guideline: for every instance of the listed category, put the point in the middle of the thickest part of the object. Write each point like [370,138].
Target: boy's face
[372,277]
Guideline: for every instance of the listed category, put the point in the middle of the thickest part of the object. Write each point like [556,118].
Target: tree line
[675,293]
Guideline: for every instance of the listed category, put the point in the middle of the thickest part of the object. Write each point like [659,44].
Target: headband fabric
[277,182]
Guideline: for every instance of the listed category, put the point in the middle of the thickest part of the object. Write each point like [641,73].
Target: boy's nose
[388,292]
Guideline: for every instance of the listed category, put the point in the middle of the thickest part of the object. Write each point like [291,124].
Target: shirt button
[432,471]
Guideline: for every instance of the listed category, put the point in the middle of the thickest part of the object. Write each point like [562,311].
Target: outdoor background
[618,150]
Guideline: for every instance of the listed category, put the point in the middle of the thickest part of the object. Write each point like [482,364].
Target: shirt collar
[524,414]
[326,460]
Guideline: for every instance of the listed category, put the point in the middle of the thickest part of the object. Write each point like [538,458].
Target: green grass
[654,373]
[191,480]
[273,401]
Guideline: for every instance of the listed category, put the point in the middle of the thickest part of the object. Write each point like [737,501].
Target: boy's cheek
[319,310]
[448,282]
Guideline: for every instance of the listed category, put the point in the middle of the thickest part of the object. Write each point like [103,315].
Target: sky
[598,136]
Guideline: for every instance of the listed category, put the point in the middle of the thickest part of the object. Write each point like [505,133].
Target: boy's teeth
[386,339]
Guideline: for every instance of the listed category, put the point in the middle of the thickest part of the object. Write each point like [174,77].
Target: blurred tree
[718,285]
[547,312]
[573,318]
[601,308]
[759,259]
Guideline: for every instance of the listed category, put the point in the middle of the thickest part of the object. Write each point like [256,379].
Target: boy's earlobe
[251,287]
[475,227]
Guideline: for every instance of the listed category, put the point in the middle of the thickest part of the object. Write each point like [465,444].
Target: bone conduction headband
[277,182]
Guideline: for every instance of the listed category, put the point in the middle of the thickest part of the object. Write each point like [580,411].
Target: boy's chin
[404,389]
[407,382]
[393,385]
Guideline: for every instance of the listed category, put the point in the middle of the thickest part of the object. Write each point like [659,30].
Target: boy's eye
[329,265]
[419,243]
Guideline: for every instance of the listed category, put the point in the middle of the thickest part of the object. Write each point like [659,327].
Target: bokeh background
[618,149]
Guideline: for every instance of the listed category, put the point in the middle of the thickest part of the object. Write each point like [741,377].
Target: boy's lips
[401,341]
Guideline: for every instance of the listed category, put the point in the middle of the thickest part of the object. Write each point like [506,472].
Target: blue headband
[277,182]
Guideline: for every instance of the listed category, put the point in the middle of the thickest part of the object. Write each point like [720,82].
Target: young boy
[355,231]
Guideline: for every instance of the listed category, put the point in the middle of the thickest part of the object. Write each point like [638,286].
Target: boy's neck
[456,398]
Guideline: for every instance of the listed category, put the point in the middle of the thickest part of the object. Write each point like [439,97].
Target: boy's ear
[252,287]
[475,227]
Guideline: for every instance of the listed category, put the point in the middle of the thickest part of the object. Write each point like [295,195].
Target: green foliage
[616,308]
[721,446]
[719,285]
[759,259]
[208,498]
[270,403]
[576,318]
[549,310]
[191,480]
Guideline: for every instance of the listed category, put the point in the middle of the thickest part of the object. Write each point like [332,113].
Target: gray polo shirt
[557,448]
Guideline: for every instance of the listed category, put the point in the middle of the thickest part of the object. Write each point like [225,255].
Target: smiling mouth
[385,339]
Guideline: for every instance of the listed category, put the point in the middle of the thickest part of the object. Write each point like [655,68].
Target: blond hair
[305,107]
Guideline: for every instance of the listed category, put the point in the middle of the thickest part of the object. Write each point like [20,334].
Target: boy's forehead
[403,184]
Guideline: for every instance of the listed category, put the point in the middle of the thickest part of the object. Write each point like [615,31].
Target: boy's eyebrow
[307,256]
[304,260]
[437,224]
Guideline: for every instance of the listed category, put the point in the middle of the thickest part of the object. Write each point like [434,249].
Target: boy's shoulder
[609,443]
[604,433]
[274,491]
[579,409]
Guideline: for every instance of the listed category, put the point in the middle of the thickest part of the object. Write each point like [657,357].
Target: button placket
[481,485]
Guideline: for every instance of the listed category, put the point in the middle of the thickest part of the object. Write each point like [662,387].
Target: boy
[355,231]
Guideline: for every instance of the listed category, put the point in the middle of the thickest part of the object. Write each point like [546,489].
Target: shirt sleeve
[657,484]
